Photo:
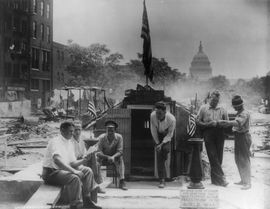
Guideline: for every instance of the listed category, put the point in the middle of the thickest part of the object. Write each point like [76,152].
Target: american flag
[91,109]
[147,51]
[191,126]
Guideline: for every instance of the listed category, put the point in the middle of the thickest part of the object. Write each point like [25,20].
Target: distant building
[200,66]
[26,34]
[61,60]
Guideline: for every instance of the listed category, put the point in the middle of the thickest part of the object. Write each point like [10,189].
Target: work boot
[239,183]
[246,186]
[161,183]
[100,190]
[122,185]
[89,204]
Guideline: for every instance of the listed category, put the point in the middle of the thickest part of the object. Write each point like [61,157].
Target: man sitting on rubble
[81,153]
[110,150]
[61,168]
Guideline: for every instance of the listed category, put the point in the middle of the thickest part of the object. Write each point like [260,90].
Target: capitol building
[200,66]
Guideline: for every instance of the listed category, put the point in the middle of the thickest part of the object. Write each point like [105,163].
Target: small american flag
[191,126]
[91,109]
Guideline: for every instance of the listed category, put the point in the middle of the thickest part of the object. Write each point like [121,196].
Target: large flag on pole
[147,51]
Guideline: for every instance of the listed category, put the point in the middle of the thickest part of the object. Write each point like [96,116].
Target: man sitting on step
[60,168]
[81,153]
[110,150]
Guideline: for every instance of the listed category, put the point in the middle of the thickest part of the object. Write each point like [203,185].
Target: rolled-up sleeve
[171,129]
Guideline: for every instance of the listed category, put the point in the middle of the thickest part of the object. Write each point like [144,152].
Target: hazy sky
[233,32]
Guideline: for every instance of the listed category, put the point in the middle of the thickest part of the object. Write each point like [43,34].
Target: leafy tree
[92,65]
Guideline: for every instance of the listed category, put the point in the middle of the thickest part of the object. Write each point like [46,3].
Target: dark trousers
[242,145]
[162,156]
[214,143]
[75,187]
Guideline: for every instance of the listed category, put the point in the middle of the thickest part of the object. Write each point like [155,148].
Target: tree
[92,65]
[163,74]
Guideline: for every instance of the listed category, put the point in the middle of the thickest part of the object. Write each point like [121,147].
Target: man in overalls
[242,141]
[162,130]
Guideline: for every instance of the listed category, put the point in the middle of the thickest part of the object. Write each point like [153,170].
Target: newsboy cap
[111,123]
[237,101]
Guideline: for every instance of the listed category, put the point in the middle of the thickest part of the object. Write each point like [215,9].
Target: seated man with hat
[110,150]
[242,141]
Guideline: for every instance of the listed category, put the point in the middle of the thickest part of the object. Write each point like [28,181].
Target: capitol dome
[200,66]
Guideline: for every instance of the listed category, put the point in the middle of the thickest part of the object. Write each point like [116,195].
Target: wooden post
[196,170]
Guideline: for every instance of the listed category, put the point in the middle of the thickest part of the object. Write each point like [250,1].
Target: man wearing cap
[110,150]
[214,136]
[61,168]
[89,155]
[242,141]
[162,130]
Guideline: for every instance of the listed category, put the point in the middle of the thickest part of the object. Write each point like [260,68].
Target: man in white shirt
[162,130]
[61,168]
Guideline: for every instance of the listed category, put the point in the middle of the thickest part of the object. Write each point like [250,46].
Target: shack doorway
[142,146]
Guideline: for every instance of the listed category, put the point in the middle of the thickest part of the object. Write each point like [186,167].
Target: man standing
[162,130]
[242,141]
[61,168]
[110,150]
[214,137]
[81,152]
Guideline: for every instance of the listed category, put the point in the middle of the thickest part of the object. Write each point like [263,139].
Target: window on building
[63,56]
[45,60]
[34,84]
[24,27]
[48,11]
[58,54]
[42,31]
[24,71]
[8,70]
[24,5]
[48,34]
[34,29]
[34,6]
[42,8]
[35,58]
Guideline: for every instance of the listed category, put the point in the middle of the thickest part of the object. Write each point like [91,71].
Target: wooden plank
[45,195]
[27,142]
[30,146]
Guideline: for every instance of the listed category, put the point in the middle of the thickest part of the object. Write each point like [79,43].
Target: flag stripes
[191,126]
[91,109]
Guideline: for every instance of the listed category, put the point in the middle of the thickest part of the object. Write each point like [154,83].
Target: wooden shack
[133,118]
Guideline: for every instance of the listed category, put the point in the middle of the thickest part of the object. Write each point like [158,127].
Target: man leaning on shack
[214,137]
[110,150]
[60,168]
[89,156]
[162,130]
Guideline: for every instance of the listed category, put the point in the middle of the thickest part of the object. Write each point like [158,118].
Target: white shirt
[79,148]
[168,124]
[59,146]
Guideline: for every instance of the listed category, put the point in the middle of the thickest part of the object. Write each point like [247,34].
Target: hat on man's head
[111,123]
[237,101]
[160,105]
[215,93]
[77,124]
